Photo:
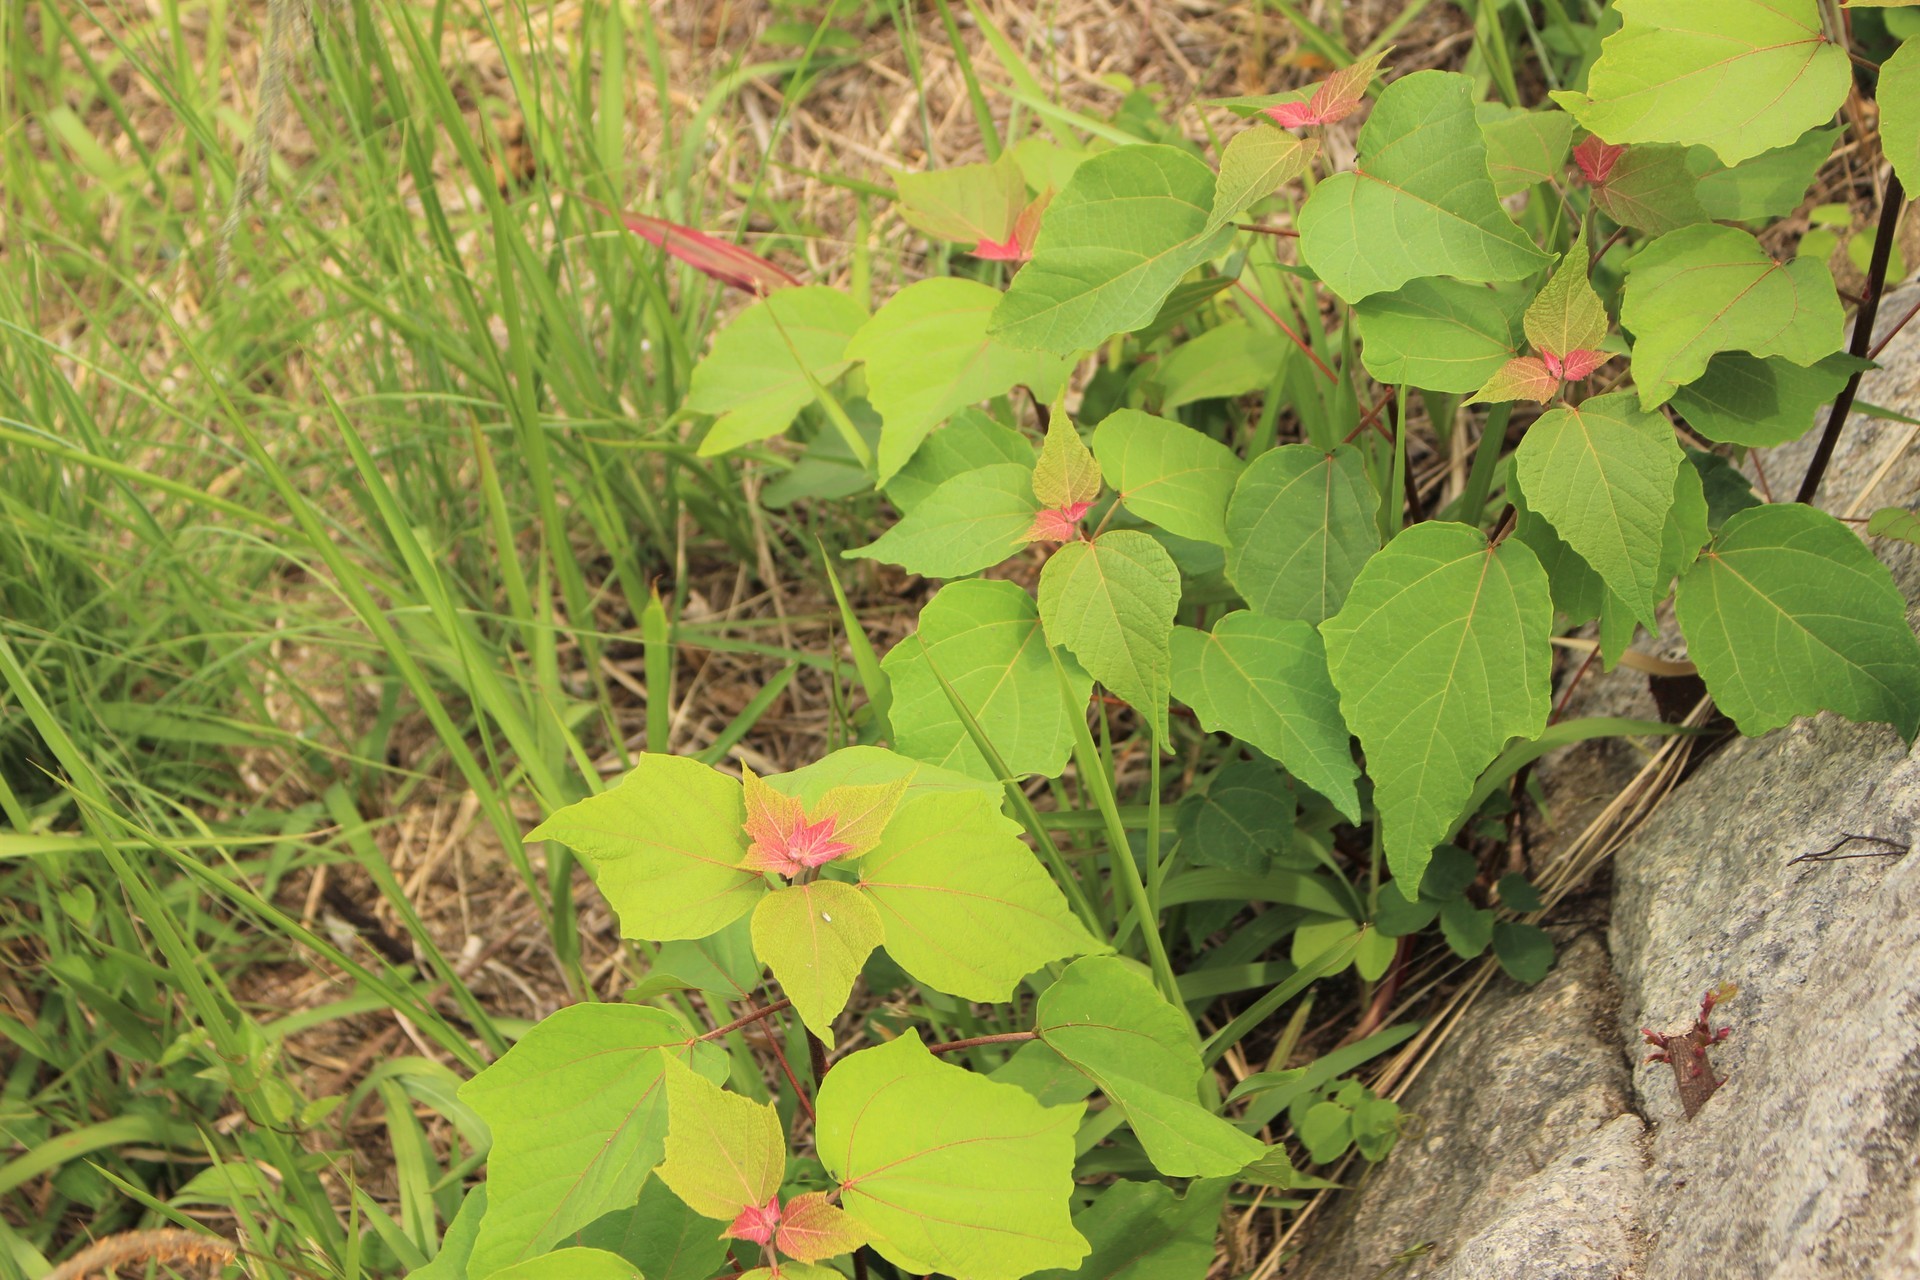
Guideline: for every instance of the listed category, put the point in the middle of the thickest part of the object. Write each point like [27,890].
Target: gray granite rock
[1498,1116]
[1534,1163]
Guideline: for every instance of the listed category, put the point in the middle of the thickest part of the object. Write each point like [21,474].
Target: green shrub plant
[1347,667]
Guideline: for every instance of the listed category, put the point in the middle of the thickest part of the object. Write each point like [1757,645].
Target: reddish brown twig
[1006,1037]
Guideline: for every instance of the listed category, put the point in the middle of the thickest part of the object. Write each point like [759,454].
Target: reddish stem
[1287,329]
[1007,1037]
[751,1016]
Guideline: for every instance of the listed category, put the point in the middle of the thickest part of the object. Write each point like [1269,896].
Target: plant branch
[1890,204]
[1287,329]
[751,1016]
[974,1042]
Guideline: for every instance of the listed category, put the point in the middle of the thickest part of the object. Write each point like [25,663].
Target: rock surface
[1548,1150]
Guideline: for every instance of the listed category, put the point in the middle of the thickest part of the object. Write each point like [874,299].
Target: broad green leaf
[664,847]
[1243,818]
[1129,224]
[1524,950]
[1142,1231]
[928,355]
[571,1264]
[1602,473]
[985,639]
[1264,680]
[1256,163]
[750,381]
[1440,655]
[1420,202]
[1301,523]
[1047,164]
[661,1236]
[1740,76]
[1066,473]
[1898,97]
[1577,590]
[816,938]
[1104,1016]
[1743,399]
[790,1270]
[1771,185]
[456,1246]
[969,441]
[1524,148]
[966,203]
[1894,522]
[1726,490]
[721,963]
[968,909]
[1651,188]
[579,1118]
[947,1170]
[1567,315]
[1787,613]
[1440,334]
[971,522]
[724,1152]
[1702,290]
[1230,359]
[1110,603]
[1168,473]
[872,766]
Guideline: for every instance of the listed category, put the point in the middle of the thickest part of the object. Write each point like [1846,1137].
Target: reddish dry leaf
[716,259]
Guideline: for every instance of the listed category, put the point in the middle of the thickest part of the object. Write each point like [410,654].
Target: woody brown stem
[973,1042]
[1890,203]
[748,1018]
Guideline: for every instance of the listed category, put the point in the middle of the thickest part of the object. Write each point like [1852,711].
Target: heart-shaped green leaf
[664,847]
[928,355]
[1740,76]
[1602,473]
[724,1152]
[1787,614]
[1106,1018]
[753,381]
[1440,334]
[1264,680]
[1420,202]
[970,523]
[1110,603]
[949,1171]
[1168,473]
[1441,655]
[984,637]
[1129,224]
[1301,523]
[816,937]
[578,1112]
[967,908]
[1702,290]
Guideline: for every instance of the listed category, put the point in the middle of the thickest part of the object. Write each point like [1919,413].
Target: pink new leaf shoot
[756,1222]
[1336,98]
